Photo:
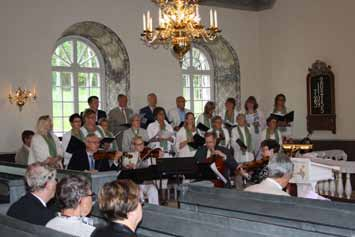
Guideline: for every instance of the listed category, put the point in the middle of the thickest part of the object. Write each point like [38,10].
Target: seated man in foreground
[280,172]
[32,207]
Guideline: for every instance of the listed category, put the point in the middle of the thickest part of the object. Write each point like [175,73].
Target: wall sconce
[21,97]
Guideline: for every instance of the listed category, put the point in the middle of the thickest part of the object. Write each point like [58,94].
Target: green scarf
[206,121]
[136,134]
[248,138]
[268,135]
[230,119]
[114,144]
[80,136]
[189,136]
[164,143]
[221,133]
[51,145]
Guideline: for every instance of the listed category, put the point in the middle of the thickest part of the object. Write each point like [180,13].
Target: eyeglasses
[92,195]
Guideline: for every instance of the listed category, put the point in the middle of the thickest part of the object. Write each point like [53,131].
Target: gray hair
[134,116]
[71,189]
[37,175]
[280,165]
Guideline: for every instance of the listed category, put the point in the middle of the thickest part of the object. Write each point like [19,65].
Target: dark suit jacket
[113,230]
[79,161]
[201,156]
[148,115]
[100,114]
[28,208]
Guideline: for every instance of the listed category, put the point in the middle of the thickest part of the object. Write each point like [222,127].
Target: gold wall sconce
[21,97]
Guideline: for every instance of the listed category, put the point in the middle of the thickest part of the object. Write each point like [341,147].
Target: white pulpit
[307,174]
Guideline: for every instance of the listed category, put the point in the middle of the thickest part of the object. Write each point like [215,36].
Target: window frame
[75,69]
[192,71]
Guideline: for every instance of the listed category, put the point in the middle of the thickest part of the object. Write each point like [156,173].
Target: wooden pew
[323,217]
[165,221]
[16,187]
[16,228]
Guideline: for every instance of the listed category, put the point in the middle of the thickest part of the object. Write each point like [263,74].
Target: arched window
[197,80]
[77,73]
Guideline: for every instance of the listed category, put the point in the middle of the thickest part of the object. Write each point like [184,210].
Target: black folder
[241,144]
[75,145]
[229,126]
[289,117]
[202,127]
[197,142]
[127,125]
[181,124]
[107,140]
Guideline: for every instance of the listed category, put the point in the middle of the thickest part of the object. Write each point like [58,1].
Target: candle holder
[21,97]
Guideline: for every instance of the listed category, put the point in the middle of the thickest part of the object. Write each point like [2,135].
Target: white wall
[29,30]
[293,35]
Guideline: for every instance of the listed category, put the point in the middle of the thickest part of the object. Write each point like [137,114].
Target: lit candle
[151,24]
[148,20]
[144,23]
[197,12]
[215,19]
[160,17]
[211,18]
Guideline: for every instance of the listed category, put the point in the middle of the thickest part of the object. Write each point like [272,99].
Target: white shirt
[185,151]
[275,183]
[70,225]
[40,199]
[123,110]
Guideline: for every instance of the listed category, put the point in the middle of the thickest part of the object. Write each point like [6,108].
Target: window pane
[197,94]
[199,60]
[57,109]
[94,80]
[205,93]
[206,81]
[95,91]
[188,104]
[83,94]
[59,62]
[83,80]
[186,80]
[198,107]
[68,109]
[62,53]
[186,93]
[58,124]
[68,49]
[197,80]
[83,106]
[56,94]
[186,61]
[66,79]
[67,125]
[88,57]
[81,49]
[68,94]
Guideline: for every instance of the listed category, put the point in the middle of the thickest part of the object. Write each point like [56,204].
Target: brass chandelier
[179,25]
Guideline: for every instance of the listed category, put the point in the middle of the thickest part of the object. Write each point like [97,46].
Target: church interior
[177,118]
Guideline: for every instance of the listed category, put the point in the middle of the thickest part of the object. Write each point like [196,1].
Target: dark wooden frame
[320,121]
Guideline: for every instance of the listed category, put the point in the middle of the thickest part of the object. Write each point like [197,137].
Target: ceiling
[250,5]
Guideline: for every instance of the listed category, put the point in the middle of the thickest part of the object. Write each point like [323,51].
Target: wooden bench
[323,217]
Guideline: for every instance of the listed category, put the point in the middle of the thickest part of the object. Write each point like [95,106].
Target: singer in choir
[177,115]
[281,109]
[146,112]
[230,113]
[135,162]
[75,122]
[103,122]
[89,126]
[93,102]
[133,132]
[185,135]
[45,145]
[119,118]
[272,131]
[22,154]
[161,133]
[206,117]
[242,133]
[255,119]
[222,134]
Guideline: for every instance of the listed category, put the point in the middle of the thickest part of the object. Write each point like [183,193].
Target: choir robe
[185,151]
[255,132]
[174,117]
[154,130]
[128,136]
[226,136]
[238,153]
[40,150]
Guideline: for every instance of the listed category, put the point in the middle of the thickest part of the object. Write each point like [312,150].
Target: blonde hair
[42,122]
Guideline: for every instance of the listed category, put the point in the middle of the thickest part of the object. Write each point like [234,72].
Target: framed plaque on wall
[320,98]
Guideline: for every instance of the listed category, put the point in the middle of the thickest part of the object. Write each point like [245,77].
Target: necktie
[125,115]
[91,162]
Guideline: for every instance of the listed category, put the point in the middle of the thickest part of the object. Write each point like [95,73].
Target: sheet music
[219,175]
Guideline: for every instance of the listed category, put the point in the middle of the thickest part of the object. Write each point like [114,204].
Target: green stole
[164,143]
[230,119]
[51,145]
[248,138]
[268,135]
[80,136]
[189,136]
[102,134]
[222,142]
[206,121]
[114,144]
[136,134]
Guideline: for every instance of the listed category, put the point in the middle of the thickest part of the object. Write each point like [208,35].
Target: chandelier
[21,97]
[178,26]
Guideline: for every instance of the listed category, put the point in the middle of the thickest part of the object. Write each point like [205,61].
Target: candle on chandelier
[211,18]
[160,20]
[197,12]
[215,19]
[144,23]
